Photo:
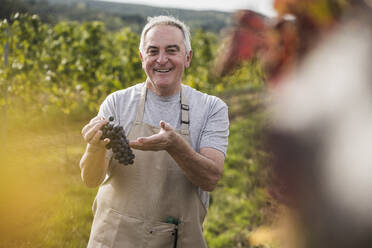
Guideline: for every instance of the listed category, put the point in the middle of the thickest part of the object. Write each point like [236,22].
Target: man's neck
[166,91]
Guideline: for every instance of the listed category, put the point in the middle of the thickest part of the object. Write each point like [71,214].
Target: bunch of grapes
[118,142]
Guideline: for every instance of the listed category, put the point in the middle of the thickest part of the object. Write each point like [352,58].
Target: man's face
[164,58]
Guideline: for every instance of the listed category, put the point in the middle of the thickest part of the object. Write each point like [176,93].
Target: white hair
[166,20]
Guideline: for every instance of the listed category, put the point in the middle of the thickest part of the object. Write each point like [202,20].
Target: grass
[43,202]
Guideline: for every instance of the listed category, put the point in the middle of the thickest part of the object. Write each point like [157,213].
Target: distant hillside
[209,20]
[118,15]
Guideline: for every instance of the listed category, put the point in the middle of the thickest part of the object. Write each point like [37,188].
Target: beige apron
[132,207]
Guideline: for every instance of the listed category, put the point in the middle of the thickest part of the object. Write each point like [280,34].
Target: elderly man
[179,136]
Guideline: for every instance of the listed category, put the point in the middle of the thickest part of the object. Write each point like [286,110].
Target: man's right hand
[92,134]
[94,162]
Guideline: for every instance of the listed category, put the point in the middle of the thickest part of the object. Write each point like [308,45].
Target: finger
[106,141]
[142,148]
[93,121]
[90,125]
[135,144]
[90,134]
[87,129]
[153,139]
[140,142]
[145,145]
[92,131]
[96,138]
[97,118]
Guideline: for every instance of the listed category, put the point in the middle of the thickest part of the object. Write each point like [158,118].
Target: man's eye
[172,50]
[152,52]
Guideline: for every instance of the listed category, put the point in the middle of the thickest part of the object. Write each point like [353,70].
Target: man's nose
[162,58]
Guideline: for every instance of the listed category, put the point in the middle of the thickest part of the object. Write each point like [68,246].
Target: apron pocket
[160,235]
[105,229]
[120,230]
[131,232]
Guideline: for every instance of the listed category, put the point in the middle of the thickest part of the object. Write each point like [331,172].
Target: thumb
[165,126]
[106,141]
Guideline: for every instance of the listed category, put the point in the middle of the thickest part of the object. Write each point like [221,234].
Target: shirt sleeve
[107,108]
[216,131]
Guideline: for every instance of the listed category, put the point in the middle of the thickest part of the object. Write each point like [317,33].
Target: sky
[263,6]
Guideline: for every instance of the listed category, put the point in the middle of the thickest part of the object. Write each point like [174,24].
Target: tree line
[73,64]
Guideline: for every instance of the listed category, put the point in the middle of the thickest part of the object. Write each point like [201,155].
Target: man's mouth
[163,70]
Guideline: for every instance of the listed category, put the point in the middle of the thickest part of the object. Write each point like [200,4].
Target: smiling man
[179,136]
[164,59]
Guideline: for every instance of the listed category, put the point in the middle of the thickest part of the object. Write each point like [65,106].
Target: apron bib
[134,205]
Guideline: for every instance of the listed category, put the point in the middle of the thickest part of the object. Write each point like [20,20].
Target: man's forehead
[164,33]
[162,27]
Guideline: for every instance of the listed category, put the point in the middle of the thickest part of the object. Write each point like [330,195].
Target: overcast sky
[262,6]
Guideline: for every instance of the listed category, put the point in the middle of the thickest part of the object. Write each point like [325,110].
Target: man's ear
[142,60]
[188,59]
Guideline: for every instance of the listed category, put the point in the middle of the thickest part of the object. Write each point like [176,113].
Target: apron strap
[185,121]
[141,104]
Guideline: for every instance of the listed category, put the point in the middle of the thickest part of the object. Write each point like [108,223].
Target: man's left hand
[160,141]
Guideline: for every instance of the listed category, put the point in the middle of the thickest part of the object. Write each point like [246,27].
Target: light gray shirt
[208,115]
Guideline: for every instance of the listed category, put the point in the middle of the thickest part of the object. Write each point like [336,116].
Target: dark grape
[118,142]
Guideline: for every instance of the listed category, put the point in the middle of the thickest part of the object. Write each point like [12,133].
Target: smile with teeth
[163,70]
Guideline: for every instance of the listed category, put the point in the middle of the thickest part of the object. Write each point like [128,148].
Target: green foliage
[198,75]
[72,67]
[240,199]
[66,65]
[70,64]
